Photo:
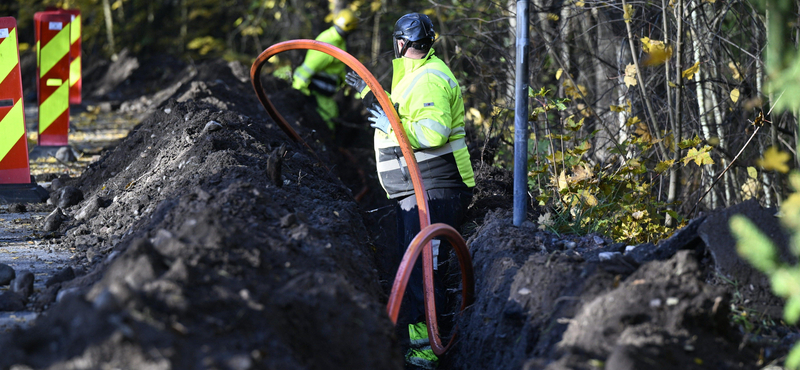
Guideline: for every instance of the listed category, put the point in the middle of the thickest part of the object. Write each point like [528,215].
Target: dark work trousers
[446,205]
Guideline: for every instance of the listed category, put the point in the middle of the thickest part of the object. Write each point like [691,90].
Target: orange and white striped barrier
[53,76]
[14,167]
[16,184]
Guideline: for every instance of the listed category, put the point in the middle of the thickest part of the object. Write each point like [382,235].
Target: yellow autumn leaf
[476,115]
[582,108]
[632,121]
[699,156]
[735,95]
[580,4]
[617,108]
[664,165]
[572,92]
[580,173]
[558,73]
[735,70]
[645,44]
[671,84]
[587,198]
[750,189]
[561,181]
[375,6]
[628,13]
[774,159]
[658,55]
[630,75]
[552,17]
[752,172]
[643,132]
[657,52]
[691,71]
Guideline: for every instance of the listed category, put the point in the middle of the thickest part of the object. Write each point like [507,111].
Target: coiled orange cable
[427,232]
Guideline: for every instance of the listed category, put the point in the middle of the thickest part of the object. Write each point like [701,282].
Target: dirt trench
[210,241]
[207,240]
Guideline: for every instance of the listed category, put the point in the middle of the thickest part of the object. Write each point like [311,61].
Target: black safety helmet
[416,29]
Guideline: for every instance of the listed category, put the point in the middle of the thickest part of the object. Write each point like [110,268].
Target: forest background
[643,113]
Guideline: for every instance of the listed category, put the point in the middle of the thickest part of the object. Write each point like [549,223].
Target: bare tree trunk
[676,155]
[109,29]
[760,92]
[651,116]
[710,174]
[184,25]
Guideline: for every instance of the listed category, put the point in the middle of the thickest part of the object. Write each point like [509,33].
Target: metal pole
[521,117]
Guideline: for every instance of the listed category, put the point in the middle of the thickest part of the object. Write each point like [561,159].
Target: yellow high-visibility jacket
[321,72]
[431,109]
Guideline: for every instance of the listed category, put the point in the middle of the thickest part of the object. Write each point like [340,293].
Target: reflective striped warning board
[14,168]
[75,81]
[53,47]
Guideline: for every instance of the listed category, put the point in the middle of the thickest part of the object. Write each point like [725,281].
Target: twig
[725,170]
[734,158]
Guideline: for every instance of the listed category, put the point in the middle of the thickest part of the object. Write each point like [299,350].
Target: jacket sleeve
[426,114]
[315,61]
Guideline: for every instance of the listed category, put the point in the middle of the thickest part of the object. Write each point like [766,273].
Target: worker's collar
[409,64]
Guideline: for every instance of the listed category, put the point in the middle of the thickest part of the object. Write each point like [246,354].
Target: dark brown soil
[210,241]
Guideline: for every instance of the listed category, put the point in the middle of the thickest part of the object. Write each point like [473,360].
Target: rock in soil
[23,283]
[54,220]
[67,196]
[91,207]
[11,301]
[7,274]
[17,208]
[65,274]
[66,155]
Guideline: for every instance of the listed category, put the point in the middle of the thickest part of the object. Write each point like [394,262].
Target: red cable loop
[427,232]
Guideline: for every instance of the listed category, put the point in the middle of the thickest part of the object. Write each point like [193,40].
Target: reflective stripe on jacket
[431,109]
[321,72]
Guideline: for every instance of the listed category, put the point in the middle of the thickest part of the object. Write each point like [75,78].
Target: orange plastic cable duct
[428,231]
[404,272]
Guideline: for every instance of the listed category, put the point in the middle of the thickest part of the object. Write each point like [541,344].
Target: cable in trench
[428,231]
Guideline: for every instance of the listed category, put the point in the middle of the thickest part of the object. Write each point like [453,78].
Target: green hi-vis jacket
[431,109]
[321,72]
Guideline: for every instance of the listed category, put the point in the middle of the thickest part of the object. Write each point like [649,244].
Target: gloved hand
[355,81]
[379,119]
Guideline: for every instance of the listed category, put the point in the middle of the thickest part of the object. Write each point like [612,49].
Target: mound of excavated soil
[211,241]
[542,303]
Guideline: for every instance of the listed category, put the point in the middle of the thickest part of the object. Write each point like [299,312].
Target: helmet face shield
[413,28]
[400,52]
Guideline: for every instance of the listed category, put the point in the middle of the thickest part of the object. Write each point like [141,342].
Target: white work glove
[379,119]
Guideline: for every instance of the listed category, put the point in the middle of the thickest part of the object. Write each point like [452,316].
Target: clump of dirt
[211,241]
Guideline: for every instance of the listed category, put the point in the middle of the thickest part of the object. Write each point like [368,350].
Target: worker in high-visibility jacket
[321,75]
[428,100]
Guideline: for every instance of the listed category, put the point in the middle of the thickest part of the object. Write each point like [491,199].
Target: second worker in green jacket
[321,75]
